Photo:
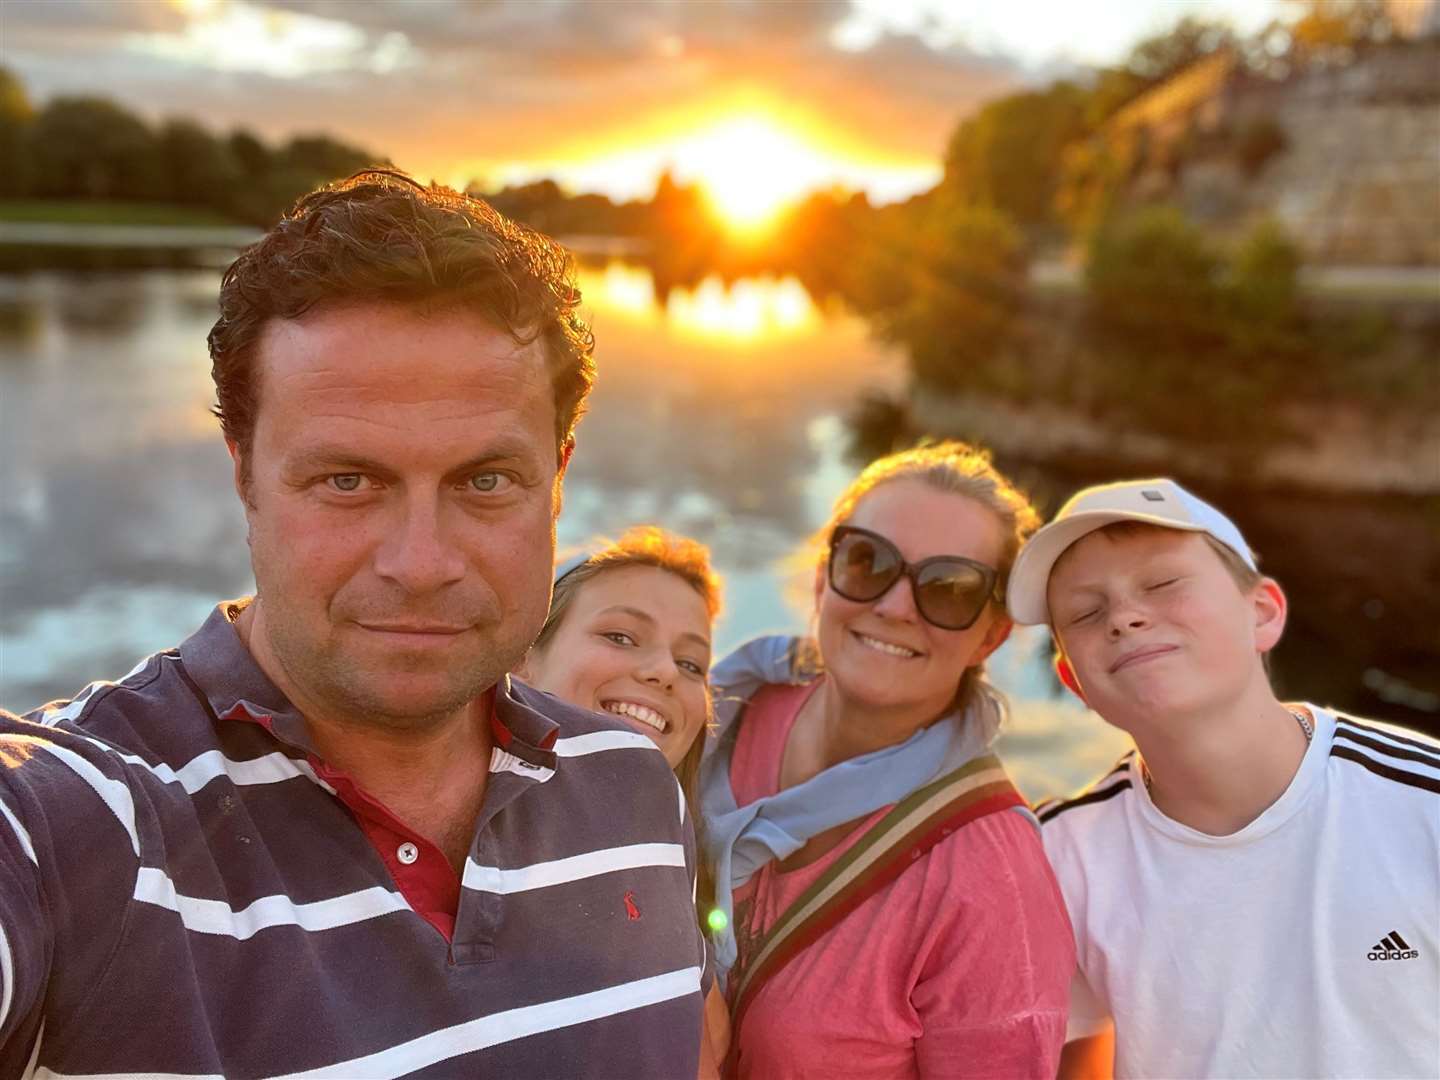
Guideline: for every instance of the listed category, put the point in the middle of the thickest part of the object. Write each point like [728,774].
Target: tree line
[90,147]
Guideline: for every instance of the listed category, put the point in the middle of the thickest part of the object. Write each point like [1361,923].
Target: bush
[1264,282]
[1193,345]
[1153,282]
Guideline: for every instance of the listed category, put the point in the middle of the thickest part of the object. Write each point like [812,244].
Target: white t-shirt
[1307,944]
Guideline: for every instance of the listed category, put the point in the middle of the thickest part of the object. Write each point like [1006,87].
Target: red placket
[429,885]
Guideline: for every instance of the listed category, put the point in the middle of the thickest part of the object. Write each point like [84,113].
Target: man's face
[1154,626]
[402,497]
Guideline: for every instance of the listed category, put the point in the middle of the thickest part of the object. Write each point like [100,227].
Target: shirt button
[407,853]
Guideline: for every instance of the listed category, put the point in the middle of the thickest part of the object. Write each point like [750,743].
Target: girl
[629,634]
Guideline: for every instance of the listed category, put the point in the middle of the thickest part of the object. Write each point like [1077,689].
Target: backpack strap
[911,828]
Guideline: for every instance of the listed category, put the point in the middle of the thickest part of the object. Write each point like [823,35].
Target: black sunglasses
[950,591]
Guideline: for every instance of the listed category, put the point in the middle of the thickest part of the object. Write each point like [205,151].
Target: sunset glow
[751,168]
[752,156]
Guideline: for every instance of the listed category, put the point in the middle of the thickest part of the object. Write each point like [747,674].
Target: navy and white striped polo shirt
[186,889]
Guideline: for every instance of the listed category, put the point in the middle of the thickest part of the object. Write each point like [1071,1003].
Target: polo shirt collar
[519,725]
[232,682]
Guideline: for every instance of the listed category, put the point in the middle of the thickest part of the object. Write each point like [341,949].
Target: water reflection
[716,413]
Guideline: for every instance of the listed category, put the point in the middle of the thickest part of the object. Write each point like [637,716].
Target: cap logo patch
[1152,495]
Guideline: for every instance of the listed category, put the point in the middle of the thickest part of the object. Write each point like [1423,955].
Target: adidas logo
[1392,947]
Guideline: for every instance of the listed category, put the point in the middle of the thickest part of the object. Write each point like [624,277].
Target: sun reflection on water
[748,310]
[620,289]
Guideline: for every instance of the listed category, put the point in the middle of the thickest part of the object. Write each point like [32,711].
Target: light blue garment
[740,840]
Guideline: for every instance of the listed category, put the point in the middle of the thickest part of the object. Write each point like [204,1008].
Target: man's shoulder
[1391,764]
[130,729]
[583,733]
[153,706]
[139,687]
[600,765]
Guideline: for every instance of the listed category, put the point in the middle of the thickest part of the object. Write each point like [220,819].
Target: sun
[752,167]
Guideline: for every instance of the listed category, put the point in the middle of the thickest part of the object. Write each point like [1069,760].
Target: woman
[628,633]
[893,914]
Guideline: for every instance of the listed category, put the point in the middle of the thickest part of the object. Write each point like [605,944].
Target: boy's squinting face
[1153,625]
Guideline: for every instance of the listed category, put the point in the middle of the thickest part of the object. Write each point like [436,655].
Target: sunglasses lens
[952,594]
[862,568]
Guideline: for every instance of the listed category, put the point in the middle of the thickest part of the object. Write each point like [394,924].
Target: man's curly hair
[381,237]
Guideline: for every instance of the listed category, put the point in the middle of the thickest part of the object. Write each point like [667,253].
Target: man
[1256,891]
[326,834]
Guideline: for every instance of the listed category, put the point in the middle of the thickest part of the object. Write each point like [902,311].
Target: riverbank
[1355,455]
[40,234]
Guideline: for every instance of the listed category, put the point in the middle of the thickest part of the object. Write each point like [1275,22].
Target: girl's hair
[959,469]
[689,560]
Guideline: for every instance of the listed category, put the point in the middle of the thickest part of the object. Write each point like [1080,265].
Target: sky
[602,95]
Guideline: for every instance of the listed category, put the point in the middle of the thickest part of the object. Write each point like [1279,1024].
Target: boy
[1255,889]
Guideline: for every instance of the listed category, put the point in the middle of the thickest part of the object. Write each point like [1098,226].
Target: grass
[78,212]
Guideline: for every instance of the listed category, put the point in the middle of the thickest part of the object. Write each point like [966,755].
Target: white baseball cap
[1155,502]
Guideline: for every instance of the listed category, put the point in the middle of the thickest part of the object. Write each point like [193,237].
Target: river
[718,413]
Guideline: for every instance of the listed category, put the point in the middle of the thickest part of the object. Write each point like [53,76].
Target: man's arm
[67,870]
[26,943]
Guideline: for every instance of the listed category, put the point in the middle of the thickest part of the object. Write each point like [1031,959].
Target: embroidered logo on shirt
[1392,947]
[631,909]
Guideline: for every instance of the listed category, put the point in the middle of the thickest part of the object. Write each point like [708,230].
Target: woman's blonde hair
[958,469]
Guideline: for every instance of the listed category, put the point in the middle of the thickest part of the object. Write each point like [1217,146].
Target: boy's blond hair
[1245,578]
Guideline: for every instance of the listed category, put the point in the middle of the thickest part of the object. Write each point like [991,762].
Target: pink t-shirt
[959,967]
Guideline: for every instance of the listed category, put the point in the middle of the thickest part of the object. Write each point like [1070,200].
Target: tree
[947,279]
[1337,27]
[1113,89]
[1156,58]
[1008,154]
[250,154]
[16,118]
[86,147]
[325,159]
[199,169]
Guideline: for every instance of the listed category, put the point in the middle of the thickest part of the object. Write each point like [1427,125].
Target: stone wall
[1358,180]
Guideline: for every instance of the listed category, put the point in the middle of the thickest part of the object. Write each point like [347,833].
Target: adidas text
[1393,954]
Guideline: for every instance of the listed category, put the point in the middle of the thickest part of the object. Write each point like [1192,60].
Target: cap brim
[1030,577]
